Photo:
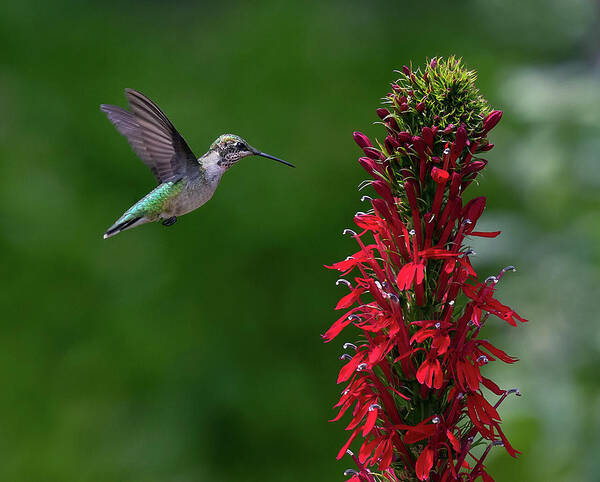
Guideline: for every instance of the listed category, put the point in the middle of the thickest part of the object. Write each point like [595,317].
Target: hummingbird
[185,182]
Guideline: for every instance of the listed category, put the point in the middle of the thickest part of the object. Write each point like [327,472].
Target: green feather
[155,201]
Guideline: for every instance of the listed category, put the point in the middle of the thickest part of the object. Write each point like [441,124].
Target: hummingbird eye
[240,145]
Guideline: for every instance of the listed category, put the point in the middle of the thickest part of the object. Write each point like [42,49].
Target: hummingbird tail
[122,225]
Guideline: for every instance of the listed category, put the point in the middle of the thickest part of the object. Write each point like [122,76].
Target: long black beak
[268,156]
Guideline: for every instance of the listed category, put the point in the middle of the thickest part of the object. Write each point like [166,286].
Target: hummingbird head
[232,148]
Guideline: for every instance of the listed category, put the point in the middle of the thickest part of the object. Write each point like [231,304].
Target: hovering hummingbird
[184,182]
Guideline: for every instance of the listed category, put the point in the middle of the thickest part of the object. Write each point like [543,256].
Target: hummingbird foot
[169,221]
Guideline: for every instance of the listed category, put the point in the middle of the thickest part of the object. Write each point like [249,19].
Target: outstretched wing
[152,136]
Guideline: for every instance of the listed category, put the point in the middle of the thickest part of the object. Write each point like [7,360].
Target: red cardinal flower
[415,396]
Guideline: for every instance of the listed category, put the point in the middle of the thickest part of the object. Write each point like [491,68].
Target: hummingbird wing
[153,138]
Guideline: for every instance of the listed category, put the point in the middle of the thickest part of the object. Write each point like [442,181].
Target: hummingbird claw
[169,221]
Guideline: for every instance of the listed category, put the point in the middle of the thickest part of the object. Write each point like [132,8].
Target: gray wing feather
[152,136]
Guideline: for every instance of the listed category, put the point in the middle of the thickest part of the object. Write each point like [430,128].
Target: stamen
[438,325]
[504,270]
[366,198]
[343,281]
[345,356]
[451,302]
[466,222]
[349,472]
[412,232]
[470,252]
[374,406]
[353,317]
[361,367]
[515,391]
[360,213]
[393,297]
[435,420]
[446,151]
[350,345]
[349,231]
[482,359]
[493,279]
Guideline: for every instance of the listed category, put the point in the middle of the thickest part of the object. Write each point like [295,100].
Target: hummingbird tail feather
[121,225]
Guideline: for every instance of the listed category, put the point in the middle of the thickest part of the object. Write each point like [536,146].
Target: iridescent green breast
[157,200]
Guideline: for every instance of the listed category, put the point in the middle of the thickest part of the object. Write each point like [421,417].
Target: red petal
[453,441]
[497,352]
[424,464]
[349,368]
[509,448]
[420,273]
[370,422]
[481,234]
[342,452]
[349,299]
[388,453]
[439,175]
[366,449]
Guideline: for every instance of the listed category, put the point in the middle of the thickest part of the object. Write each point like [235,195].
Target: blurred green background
[193,353]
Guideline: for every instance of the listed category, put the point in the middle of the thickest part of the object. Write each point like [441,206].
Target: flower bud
[428,135]
[485,148]
[491,120]
[362,140]
[461,139]
[404,136]
[419,145]
[382,113]
[373,153]
[420,107]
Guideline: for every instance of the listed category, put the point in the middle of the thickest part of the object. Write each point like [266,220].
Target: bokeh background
[193,353]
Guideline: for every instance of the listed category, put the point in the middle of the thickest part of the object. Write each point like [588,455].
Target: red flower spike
[417,354]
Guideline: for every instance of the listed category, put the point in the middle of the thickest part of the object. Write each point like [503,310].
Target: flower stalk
[414,383]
